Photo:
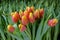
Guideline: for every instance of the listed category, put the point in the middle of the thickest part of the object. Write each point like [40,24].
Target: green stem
[28,29]
[56,32]
[33,30]
[28,35]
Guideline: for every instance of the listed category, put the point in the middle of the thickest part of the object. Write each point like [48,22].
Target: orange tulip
[21,14]
[52,22]
[15,17]
[26,13]
[32,8]
[10,28]
[41,12]
[28,9]
[22,27]
[24,20]
[31,18]
[36,14]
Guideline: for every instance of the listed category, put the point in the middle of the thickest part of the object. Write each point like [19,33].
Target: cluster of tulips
[29,15]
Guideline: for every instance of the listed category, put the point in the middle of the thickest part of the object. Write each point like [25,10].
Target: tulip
[41,12]
[15,17]
[31,18]
[52,22]
[26,13]
[36,14]
[10,28]
[21,14]
[30,9]
[24,20]
[22,27]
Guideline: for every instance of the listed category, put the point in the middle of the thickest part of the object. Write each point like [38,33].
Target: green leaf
[17,31]
[56,32]
[46,27]
[33,29]
[9,18]
[39,30]
[14,36]
[2,34]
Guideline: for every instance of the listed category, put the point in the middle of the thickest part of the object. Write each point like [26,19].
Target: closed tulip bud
[24,20]
[36,14]
[21,14]
[22,27]
[31,18]
[32,8]
[52,22]
[28,9]
[15,17]
[10,28]
[41,12]
[26,13]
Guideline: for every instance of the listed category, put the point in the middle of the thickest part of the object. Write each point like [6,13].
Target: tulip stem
[28,29]
[28,34]
[33,30]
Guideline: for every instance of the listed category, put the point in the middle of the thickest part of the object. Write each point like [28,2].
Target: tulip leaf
[39,30]
[14,36]
[2,34]
[33,29]
[17,31]
[46,27]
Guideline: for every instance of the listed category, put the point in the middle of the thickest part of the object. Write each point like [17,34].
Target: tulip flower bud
[31,18]
[21,14]
[10,28]
[22,27]
[41,12]
[26,13]
[36,14]
[32,8]
[52,22]
[24,20]
[15,17]
[28,9]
